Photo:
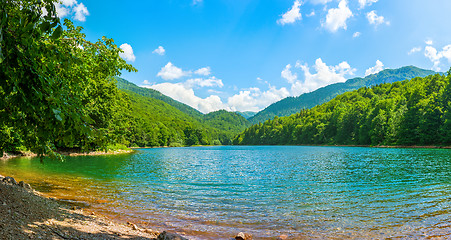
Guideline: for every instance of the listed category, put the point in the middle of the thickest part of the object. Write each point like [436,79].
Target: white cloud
[210,82]
[146,82]
[436,56]
[203,71]
[414,50]
[364,3]
[171,72]
[69,3]
[320,1]
[81,12]
[61,11]
[128,52]
[254,99]
[292,15]
[325,75]
[336,17]
[373,70]
[66,7]
[288,75]
[429,42]
[182,93]
[356,35]
[311,14]
[374,19]
[160,51]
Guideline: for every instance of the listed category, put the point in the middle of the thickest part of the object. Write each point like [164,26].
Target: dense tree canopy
[415,112]
[56,88]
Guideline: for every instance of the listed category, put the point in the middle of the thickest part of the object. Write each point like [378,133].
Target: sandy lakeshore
[27,214]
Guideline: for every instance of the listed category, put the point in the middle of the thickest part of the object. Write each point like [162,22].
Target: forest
[411,112]
[60,91]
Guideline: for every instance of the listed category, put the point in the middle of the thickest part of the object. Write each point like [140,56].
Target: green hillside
[291,105]
[411,112]
[158,120]
[147,92]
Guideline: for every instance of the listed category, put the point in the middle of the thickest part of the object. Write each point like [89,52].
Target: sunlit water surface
[216,192]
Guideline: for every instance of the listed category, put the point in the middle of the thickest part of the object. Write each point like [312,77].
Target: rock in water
[243,236]
[10,180]
[170,236]
[25,185]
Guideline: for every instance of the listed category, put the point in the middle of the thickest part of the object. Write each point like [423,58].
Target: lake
[216,192]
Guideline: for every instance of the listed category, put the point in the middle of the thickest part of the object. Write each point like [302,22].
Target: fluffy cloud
[210,82]
[66,7]
[436,56]
[374,19]
[324,76]
[182,93]
[288,75]
[377,68]
[81,12]
[414,50]
[292,15]
[205,71]
[364,3]
[336,17]
[429,42]
[356,35]
[127,53]
[254,99]
[171,72]
[160,51]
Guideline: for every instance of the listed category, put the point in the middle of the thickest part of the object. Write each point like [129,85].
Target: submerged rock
[243,236]
[170,236]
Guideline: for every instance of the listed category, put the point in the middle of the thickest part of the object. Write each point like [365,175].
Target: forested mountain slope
[158,120]
[291,105]
[411,112]
[147,92]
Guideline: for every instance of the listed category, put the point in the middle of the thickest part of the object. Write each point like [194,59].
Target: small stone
[134,227]
[169,236]
[25,185]
[150,231]
[243,236]
[282,237]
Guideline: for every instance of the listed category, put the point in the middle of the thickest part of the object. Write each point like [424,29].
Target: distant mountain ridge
[291,105]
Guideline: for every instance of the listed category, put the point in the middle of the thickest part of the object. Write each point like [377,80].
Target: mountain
[291,105]
[147,92]
[410,112]
[158,120]
[247,114]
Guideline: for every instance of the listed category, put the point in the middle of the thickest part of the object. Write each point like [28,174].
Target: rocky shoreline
[7,155]
[27,214]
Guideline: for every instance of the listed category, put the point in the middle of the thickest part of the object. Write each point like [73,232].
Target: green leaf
[45,26]
[57,33]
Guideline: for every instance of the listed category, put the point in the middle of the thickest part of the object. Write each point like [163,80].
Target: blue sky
[246,54]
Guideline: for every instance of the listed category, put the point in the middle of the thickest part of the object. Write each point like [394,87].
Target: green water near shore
[215,192]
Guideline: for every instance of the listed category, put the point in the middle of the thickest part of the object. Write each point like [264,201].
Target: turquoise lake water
[216,192]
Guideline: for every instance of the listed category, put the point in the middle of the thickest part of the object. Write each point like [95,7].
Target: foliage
[415,112]
[56,88]
[291,105]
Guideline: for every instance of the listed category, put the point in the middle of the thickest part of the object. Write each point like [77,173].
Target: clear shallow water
[303,192]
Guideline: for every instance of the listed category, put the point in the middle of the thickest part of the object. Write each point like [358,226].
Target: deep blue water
[216,192]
